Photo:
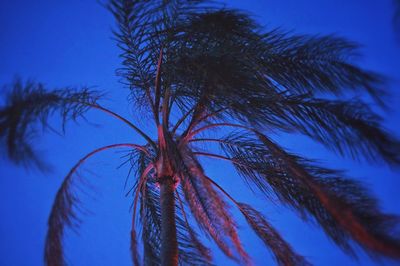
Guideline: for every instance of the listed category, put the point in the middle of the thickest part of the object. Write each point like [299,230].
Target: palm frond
[143,167]
[283,252]
[64,210]
[304,64]
[195,252]
[151,224]
[349,127]
[143,28]
[191,237]
[225,56]
[191,250]
[210,211]
[202,215]
[341,206]
[63,214]
[134,248]
[28,104]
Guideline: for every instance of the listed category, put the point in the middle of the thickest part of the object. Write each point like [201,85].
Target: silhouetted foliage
[30,102]
[217,68]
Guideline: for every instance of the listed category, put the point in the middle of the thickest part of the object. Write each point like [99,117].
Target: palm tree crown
[216,68]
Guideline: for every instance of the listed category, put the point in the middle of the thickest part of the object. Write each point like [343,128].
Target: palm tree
[195,68]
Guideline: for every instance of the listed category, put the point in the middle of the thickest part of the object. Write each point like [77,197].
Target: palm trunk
[169,244]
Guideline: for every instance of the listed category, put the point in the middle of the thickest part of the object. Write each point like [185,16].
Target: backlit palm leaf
[29,104]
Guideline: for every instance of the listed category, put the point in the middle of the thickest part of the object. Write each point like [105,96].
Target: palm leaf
[64,212]
[225,54]
[349,127]
[28,104]
[209,209]
[343,208]
[191,250]
[282,251]
[143,28]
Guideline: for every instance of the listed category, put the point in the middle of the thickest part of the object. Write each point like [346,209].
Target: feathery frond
[144,28]
[191,250]
[225,54]
[209,209]
[30,103]
[64,210]
[348,127]
[282,251]
[342,207]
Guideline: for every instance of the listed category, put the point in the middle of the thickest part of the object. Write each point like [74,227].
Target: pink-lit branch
[197,121]
[158,87]
[62,210]
[126,121]
[81,161]
[142,180]
[191,134]
[217,156]
[180,121]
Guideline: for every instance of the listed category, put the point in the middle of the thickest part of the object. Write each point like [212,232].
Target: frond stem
[87,156]
[126,121]
[158,87]
[180,121]
[196,122]
[142,179]
[224,192]
[190,135]
[183,210]
[217,156]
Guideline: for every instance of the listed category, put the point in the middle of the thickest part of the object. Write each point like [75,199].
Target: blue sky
[68,43]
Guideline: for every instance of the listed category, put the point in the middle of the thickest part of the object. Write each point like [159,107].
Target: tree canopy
[218,68]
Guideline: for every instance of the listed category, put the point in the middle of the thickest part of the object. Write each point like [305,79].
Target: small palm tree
[216,68]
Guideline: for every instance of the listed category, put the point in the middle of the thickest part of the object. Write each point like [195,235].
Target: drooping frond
[138,162]
[194,251]
[143,170]
[64,210]
[191,250]
[209,209]
[304,64]
[342,207]
[349,127]
[134,248]
[28,104]
[203,254]
[142,166]
[151,224]
[283,252]
[63,214]
[199,210]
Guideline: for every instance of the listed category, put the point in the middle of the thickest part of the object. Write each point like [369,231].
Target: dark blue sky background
[68,43]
